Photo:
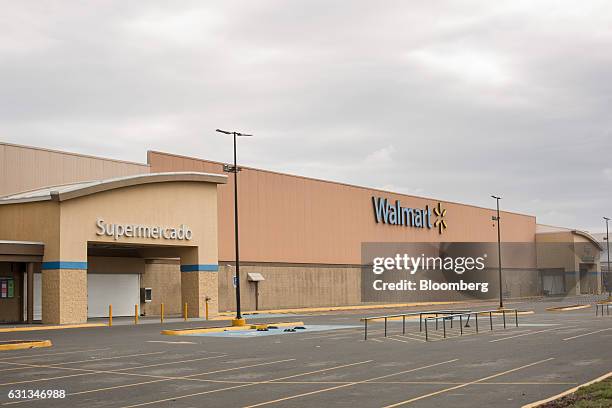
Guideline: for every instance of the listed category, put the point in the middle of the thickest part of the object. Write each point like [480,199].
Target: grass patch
[598,395]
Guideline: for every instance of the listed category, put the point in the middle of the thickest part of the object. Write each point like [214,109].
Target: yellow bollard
[110,315]
[206,308]
[162,312]
[185,311]
[135,314]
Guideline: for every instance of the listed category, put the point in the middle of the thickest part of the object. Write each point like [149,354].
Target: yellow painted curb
[182,332]
[509,313]
[411,317]
[564,393]
[228,315]
[567,308]
[59,327]
[26,344]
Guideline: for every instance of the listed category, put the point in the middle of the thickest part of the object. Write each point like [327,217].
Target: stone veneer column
[572,283]
[197,283]
[64,294]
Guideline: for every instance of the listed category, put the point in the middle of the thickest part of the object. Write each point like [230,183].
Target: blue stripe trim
[63,265]
[588,273]
[199,268]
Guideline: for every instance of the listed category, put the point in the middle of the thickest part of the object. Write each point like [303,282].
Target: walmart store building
[78,233]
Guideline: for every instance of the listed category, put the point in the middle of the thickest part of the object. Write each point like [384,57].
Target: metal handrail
[414,314]
[443,315]
[475,313]
[403,316]
[598,305]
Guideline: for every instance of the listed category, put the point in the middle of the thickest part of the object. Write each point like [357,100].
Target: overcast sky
[454,100]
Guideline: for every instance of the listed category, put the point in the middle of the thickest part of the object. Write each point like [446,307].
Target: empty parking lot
[128,366]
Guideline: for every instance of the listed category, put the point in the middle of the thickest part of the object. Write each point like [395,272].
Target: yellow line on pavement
[423,382]
[51,354]
[347,385]
[246,385]
[431,394]
[89,360]
[92,372]
[37,328]
[163,378]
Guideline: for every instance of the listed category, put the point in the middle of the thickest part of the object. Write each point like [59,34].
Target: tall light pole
[234,169]
[497,218]
[608,271]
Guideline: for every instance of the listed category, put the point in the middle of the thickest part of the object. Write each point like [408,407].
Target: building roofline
[75,190]
[88,156]
[583,234]
[588,236]
[334,182]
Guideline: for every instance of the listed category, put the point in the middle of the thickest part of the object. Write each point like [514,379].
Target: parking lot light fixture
[497,218]
[234,169]
[608,271]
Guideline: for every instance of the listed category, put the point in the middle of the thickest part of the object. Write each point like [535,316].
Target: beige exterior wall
[163,204]
[24,168]
[289,286]
[68,227]
[300,233]
[164,277]
[38,222]
[196,288]
[115,264]
[570,252]
[64,296]
[294,219]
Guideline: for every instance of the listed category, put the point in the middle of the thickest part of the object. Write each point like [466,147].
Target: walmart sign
[394,214]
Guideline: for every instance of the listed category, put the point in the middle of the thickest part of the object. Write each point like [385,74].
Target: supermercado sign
[118,231]
[394,214]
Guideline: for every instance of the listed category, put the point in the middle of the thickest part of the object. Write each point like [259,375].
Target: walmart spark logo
[440,222]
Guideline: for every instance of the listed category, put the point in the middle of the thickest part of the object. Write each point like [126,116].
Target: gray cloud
[448,100]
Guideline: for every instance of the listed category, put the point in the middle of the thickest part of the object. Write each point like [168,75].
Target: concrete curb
[182,332]
[25,344]
[59,327]
[228,315]
[568,308]
[564,393]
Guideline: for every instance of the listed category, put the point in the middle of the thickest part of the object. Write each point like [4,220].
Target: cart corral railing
[602,306]
[443,316]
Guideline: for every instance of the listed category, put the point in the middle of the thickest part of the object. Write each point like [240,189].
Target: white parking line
[349,384]
[587,334]
[173,399]
[466,384]
[527,334]
[89,360]
[160,379]
[52,354]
